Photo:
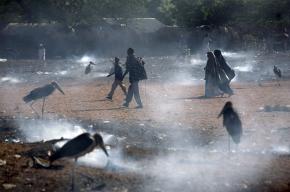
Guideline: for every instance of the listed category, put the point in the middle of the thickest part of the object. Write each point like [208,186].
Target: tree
[199,12]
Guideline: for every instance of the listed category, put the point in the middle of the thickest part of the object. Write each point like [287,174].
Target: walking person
[225,73]
[136,70]
[117,70]
[211,77]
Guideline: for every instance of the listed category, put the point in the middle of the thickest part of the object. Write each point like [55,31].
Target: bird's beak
[58,87]
[104,149]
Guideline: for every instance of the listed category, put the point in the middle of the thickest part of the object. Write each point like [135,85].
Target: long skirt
[211,87]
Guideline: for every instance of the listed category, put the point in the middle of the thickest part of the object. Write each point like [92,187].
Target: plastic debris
[8,186]
[17,156]
[40,162]
[2,162]
[111,140]
[280,108]
[3,60]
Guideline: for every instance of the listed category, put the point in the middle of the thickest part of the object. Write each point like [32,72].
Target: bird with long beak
[232,123]
[77,147]
[41,93]
[277,73]
[89,67]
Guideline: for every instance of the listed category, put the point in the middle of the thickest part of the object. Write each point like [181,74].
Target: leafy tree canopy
[187,13]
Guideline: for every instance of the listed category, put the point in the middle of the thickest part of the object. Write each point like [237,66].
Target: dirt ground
[176,121]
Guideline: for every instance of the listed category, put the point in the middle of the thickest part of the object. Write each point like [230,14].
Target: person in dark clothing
[135,68]
[211,77]
[118,79]
[225,73]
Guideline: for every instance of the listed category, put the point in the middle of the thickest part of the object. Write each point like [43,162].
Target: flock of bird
[85,142]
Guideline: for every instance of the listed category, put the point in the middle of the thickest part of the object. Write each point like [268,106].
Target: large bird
[77,147]
[41,93]
[89,68]
[232,123]
[278,73]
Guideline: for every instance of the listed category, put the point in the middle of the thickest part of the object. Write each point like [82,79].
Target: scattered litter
[269,108]
[141,124]
[106,122]
[213,151]
[30,163]
[281,150]
[61,73]
[211,142]
[111,140]
[10,80]
[245,186]
[15,140]
[38,162]
[3,60]
[8,186]
[227,184]
[2,162]
[273,130]
[17,156]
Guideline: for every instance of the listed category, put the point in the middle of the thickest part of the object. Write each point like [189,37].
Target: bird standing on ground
[89,68]
[277,73]
[41,92]
[232,123]
[77,147]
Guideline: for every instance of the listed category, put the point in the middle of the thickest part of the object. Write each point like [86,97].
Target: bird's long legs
[73,176]
[33,108]
[42,109]
[229,143]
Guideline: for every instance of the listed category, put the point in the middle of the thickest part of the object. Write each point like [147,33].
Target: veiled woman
[225,73]
[211,77]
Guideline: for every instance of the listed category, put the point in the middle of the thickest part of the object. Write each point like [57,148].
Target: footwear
[139,107]
[125,105]
[108,97]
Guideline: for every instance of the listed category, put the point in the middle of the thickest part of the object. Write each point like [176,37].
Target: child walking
[118,79]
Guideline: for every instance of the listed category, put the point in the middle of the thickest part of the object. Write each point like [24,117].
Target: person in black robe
[225,73]
[211,77]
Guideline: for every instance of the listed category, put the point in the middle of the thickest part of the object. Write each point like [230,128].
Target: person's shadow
[197,97]
[99,109]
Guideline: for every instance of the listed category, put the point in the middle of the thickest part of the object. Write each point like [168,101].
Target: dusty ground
[176,121]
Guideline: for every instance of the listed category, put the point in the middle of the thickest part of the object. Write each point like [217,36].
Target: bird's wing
[74,147]
[41,92]
[279,73]
[233,124]
[88,69]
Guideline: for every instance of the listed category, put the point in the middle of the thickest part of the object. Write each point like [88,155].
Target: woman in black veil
[211,77]
[225,73]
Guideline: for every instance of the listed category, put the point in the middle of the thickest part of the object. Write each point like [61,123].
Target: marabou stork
[77,147]
[89,68]
[41,92]
[277,73]
[232,123]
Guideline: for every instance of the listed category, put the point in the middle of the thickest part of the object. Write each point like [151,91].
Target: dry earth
[176,121]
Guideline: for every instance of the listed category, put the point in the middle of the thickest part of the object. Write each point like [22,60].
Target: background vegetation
[185,13]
